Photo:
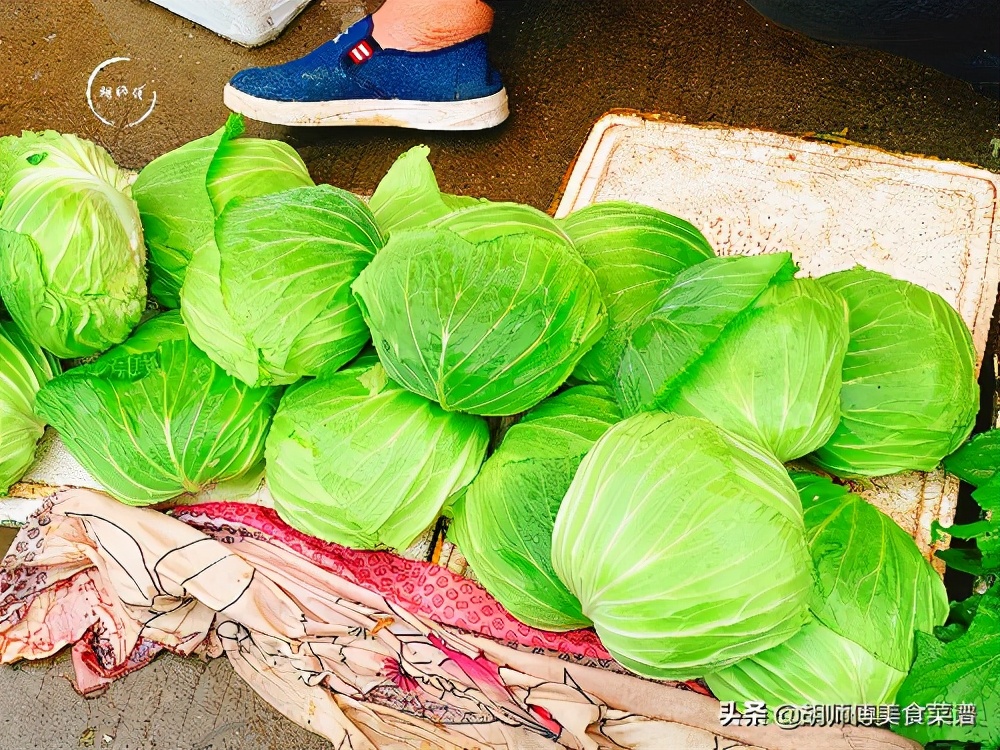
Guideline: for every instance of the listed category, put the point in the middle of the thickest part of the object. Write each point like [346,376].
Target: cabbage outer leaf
[252,167]
[687,320]
[504,523]
[408,196]
[176,208]
[636,253]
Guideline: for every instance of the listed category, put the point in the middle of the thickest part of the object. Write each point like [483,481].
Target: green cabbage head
[740,342]
[684,545]
[287,262]
[181,193]
[24,368]
[636,252]
[489,325]
[504,523]
[815,667]
[354,458]
[909,395]
[154,417]
[72,262]
[873,593]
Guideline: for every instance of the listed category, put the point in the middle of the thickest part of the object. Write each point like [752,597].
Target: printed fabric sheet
[370,650]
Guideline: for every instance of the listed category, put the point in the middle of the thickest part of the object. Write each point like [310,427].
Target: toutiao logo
[116,99]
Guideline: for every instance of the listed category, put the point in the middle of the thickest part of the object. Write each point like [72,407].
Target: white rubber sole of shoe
[469,114]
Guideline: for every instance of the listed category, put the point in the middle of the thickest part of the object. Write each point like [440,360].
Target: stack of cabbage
[662,389]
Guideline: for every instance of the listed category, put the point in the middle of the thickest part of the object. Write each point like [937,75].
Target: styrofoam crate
[832,206]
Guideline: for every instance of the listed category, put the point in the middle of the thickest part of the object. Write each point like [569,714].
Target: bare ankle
[427,25]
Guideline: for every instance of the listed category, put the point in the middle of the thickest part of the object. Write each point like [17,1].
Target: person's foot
[351,80]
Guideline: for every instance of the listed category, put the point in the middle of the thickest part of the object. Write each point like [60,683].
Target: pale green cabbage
[489,327]
[503,525]
[815,667]
[684,545]
[72,262]
[909,395]
[356,459]
[287,262]
[24,369]
[738,341]
[873,592]
[154,417]
[181,193]
[635,252]
[872,583]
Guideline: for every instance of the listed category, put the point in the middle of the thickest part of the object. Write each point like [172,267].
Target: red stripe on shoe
[360,52]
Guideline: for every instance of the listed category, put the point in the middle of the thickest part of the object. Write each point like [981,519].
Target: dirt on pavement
[564,63]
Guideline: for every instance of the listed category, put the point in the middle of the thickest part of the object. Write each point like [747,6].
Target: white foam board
[832,206]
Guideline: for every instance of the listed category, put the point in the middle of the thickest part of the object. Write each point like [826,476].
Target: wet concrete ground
[565,63]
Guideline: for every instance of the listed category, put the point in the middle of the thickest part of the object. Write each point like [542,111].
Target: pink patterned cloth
[423,588]
[367,649]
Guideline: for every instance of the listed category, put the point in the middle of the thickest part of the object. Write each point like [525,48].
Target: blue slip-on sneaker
[351,80]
